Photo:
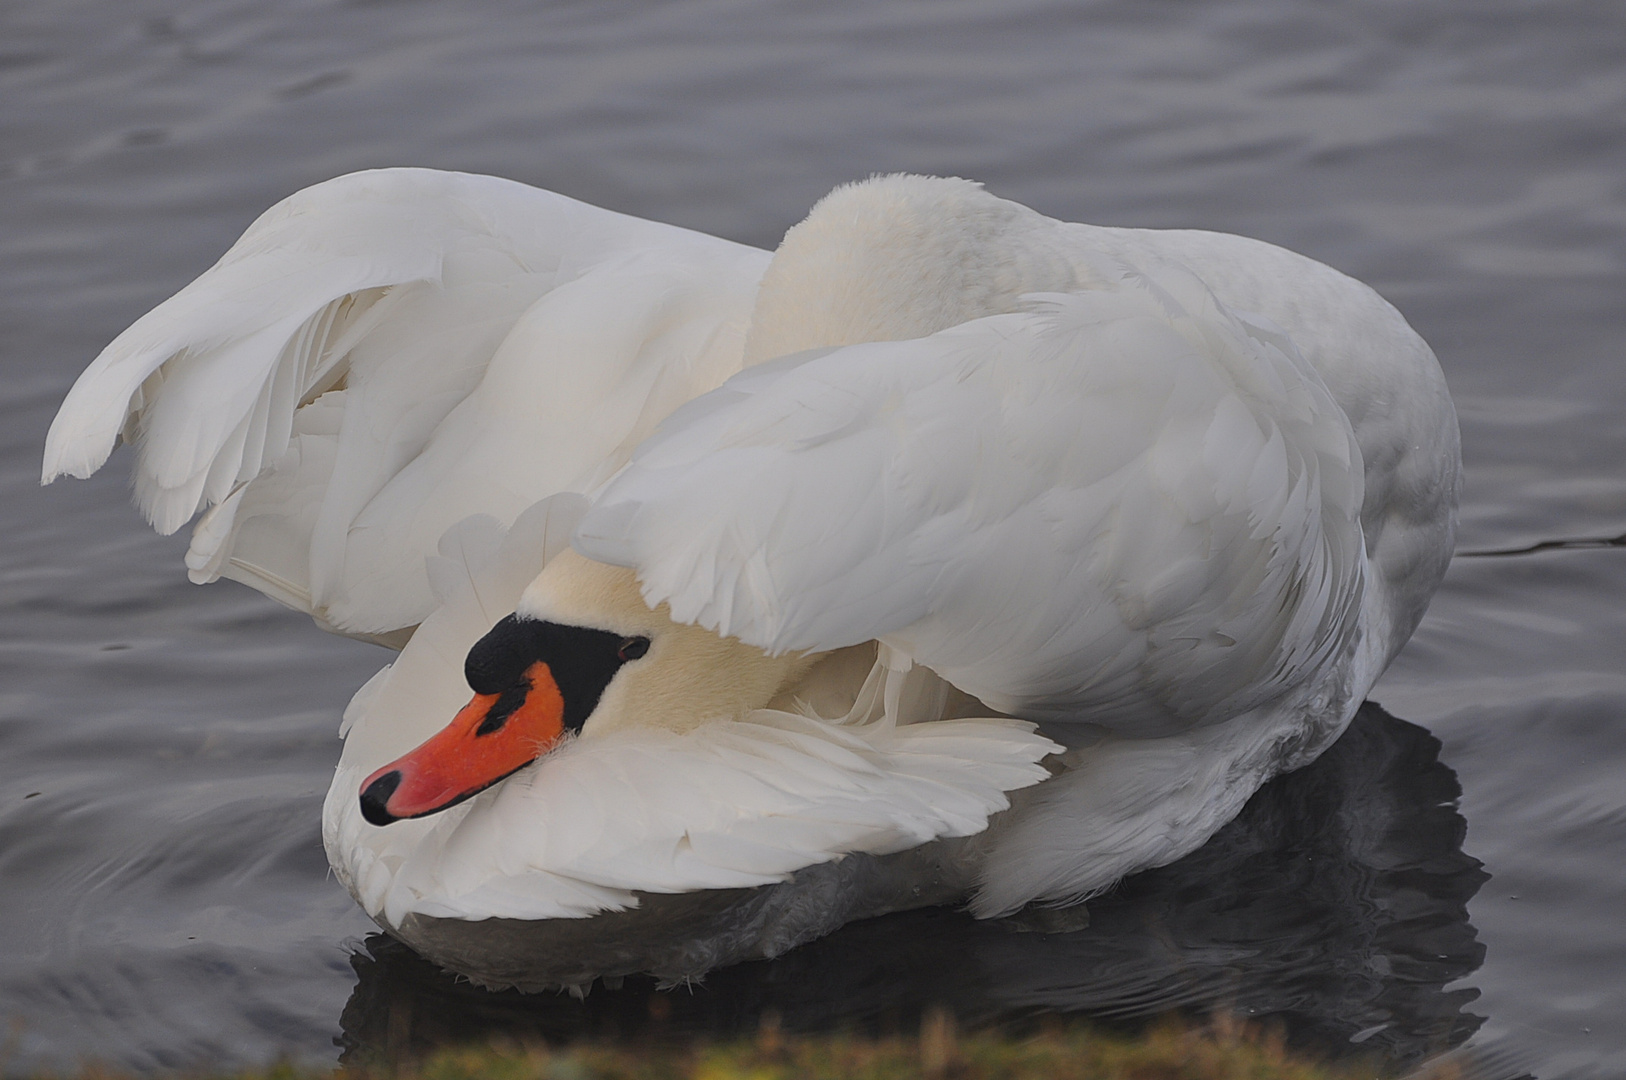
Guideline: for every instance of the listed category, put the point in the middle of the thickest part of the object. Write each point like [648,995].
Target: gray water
[163,895]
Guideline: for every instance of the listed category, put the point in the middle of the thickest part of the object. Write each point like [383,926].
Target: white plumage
[1165,536]
[728,805]
[432,325]
[1179,497]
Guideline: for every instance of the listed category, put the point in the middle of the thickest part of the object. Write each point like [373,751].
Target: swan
[949,553]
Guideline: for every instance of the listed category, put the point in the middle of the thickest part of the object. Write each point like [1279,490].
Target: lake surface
[1452,874]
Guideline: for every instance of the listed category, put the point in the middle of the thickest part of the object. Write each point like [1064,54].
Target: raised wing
[387,353]
[1130,506]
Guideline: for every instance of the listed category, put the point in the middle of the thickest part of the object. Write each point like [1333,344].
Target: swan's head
[581,653]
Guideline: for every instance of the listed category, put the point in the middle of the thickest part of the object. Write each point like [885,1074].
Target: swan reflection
[1335,906]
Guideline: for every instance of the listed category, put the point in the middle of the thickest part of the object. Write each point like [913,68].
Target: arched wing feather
[314,385]
[1128,506]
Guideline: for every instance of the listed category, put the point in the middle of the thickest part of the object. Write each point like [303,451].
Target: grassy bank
[939,1053]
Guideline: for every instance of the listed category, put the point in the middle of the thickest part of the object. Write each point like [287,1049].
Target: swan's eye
[632,648]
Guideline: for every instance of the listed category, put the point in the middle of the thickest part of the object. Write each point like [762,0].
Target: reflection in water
[1335,906]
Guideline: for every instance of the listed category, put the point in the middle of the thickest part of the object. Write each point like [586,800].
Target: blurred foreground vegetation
[1167,1052]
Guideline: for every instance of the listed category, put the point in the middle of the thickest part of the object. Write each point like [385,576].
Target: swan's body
[1177,497]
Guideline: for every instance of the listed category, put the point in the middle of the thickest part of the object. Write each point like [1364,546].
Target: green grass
[1166,1052]
[1163,1053]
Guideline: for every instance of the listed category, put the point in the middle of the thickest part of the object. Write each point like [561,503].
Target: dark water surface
[163,894]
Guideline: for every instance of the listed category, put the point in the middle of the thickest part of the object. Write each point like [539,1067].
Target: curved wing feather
[315,385]
[1128,506]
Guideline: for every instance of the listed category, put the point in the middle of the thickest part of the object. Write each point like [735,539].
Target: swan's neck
[689,677]
[898,257]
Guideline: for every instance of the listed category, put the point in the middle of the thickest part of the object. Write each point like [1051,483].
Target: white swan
[1174,499]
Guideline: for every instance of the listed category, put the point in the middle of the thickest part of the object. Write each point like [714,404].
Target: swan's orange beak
[492,737]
